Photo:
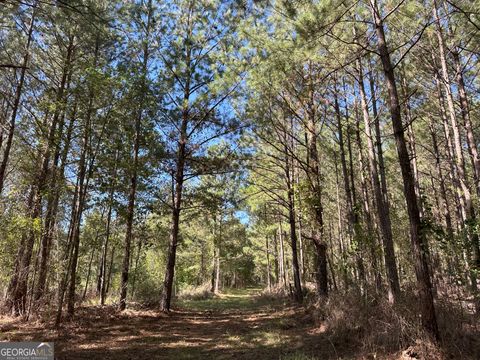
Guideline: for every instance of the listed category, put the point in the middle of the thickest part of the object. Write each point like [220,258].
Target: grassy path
[235,325]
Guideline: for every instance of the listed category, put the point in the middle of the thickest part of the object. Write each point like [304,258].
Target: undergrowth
[201,292]
[380,328]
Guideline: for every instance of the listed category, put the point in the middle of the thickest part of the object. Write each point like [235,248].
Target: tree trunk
[17,99]
[300,230]
[382,206]
[57,173]
[469,215]
[84,173]
[377,273]
[130,215]
[443,189]
[18,293]
[103,266]
[349,187]
[267,251]
[134,174]
[181,158]
[343,246]
[12,302]
[282,256]
[87,281]
[473,151]
[412,148]
[110,270]
[465,112]
[289,178]
[176,209]
[67,258]
[418,241]
[313,168]
[293,243]
[136,265]
[76,220]
[217,272]
[213,274]
[276,259]
[453,173]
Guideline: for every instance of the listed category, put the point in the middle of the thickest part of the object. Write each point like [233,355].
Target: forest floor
[238,324]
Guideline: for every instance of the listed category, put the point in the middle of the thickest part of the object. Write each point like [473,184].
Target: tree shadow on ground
[230,326]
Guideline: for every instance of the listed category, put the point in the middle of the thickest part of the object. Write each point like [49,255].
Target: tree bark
[300,230]
[89,271]
[350,194]
[217,272]
[17,100]
[57,173]
[343,244]
[166,296]
[18,293]
[276,259]
[467,121]
[139,251]
[382,206]
[103,266]
[110,270]
[412,148]
[441,179]
[453,173]
[288,167]
[85,169]
[473,243]
[283,269]
[418,241]
[313,175]
[267,253]
[78,207]
[134,174]
[377,273]
[293,231]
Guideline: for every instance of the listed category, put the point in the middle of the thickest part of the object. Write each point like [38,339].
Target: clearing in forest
[237,324]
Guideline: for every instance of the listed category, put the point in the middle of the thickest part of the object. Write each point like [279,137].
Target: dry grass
[275,293]
[243,323]
[201,292]
[383,330]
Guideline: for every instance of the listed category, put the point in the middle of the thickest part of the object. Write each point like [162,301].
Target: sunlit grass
[229,299]
[297,356]
[271,338]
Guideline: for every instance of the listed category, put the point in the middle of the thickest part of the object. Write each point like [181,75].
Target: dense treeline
[148,146]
